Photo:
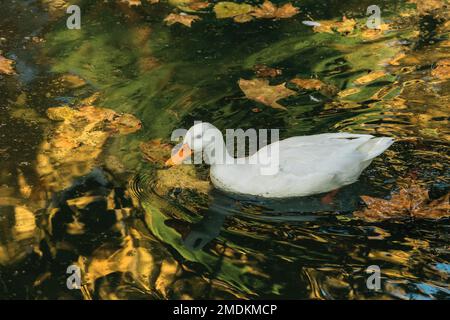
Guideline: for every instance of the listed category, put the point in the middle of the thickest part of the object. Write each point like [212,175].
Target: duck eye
[198,136]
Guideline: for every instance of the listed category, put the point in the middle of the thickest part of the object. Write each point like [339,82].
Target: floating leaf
[183,18]
[315,84]
[308,84]
[6,66]
[259,90]
[242,12]
[227,9]
[411,201]
[269,11]
[329,26]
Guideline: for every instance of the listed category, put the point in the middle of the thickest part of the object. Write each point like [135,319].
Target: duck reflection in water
[298,209]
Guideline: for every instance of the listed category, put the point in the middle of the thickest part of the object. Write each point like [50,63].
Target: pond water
[107,206]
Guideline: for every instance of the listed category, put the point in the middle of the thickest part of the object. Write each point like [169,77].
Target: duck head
[201,138]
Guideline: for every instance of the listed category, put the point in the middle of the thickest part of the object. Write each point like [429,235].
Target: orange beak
[179,156]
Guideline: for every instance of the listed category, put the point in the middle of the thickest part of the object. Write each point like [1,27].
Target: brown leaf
[308,84]
[6,66]
[183,18]
[411,201]
[259,90]
[269,11]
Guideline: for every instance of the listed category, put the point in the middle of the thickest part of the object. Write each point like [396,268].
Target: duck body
[306,165]
[294,167]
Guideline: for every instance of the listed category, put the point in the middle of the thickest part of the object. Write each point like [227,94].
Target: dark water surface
[108,210]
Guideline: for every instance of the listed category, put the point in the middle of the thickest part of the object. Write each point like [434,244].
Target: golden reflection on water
[76,199]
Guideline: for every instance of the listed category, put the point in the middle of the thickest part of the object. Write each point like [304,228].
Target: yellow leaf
[269,11]
[308,84]
[345,26]
[230,9]
[184,19]
[259,90]
[6,66]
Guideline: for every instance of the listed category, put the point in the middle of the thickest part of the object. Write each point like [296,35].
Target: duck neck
[217,154]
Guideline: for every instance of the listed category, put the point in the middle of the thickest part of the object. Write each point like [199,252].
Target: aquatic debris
[263,71]
[238,11]
[259,90]
[269,11]
[243,12]
[442,70]
[308,84]
[315,84]
[6,66]
[345,26]
[410,201]
[182,18]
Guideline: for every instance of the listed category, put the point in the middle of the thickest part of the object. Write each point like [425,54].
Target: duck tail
[374,147]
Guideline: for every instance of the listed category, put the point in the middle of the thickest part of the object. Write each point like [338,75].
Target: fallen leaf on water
[238,11]
[269,11]
[263,71]
[442,70]
[242,12]
[183,18]
[411,201]
[259,90]
[370,77]
[6,66]
[308,84]
[329,26]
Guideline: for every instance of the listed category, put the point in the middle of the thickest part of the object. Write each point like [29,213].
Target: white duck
[306,165]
